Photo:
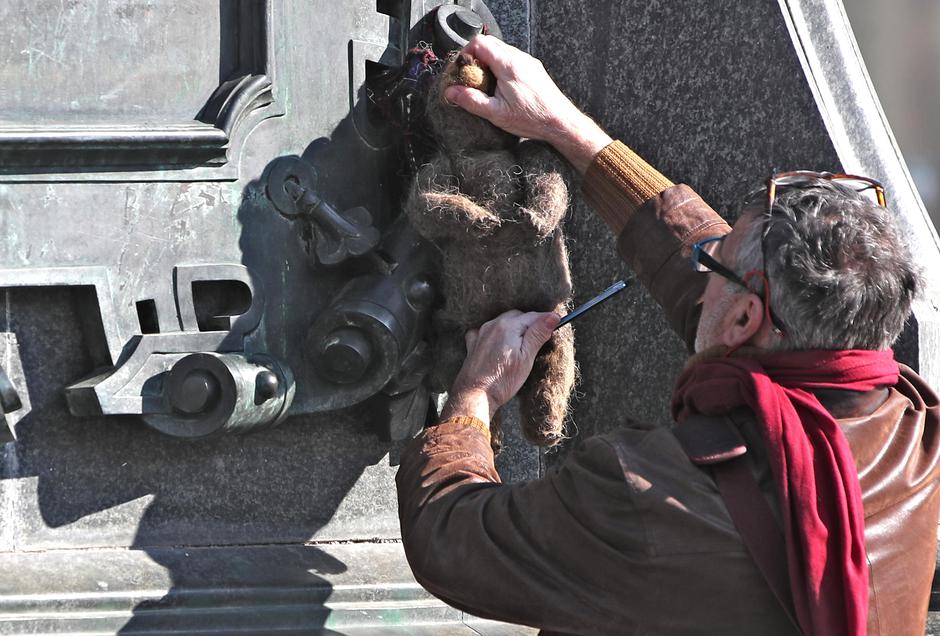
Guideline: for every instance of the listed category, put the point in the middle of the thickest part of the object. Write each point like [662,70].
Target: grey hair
[840,268]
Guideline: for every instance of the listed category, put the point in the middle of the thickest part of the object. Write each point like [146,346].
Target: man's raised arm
[655,221]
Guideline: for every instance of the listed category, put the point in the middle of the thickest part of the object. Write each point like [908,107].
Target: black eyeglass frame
[702,261]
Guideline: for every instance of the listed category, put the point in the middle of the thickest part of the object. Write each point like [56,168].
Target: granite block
[714,96]
[518,460]
[513,17]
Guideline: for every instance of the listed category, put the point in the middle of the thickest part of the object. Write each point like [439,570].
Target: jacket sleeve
[656,223]
[513,553]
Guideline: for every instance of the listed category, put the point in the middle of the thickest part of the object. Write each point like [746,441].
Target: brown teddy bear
[494,205]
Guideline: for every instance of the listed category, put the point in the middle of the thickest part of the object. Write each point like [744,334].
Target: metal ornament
[209,393]
[368,336]
[456,24]
[336,236]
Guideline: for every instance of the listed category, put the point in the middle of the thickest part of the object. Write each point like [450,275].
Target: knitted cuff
[466,420]
[618,182]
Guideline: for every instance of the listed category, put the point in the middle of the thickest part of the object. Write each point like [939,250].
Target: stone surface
[330,589]
[514,18]
[933,624]
[866,145]
[712,94]
[718,96]
[517,461]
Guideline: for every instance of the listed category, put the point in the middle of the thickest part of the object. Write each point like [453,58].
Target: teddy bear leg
[543,400]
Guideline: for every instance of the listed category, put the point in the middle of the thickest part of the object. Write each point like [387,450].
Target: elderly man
[797,491]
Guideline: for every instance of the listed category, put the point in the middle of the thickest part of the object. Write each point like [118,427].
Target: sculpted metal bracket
[31,152]
[412,21]
[191,378]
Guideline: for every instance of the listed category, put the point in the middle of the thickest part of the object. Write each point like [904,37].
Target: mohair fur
[494,206]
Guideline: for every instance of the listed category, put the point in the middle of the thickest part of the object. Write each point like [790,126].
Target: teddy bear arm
[546,193]
[456,216]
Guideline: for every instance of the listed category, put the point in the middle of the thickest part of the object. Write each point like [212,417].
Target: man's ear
[743,320]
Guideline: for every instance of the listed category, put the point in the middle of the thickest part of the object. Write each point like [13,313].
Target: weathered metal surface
[210,393]
[143,270]
[9,398]
[332,236]
[456,25]
[167,321]
[65,111]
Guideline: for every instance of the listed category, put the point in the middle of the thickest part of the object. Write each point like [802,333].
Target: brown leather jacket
[629,537]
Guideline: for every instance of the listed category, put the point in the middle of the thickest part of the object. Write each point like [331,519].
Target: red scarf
[817,482]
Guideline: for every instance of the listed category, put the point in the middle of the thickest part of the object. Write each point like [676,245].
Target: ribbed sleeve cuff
[472,422]
[618,182]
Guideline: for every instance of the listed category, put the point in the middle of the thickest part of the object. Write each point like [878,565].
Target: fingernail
[450,91]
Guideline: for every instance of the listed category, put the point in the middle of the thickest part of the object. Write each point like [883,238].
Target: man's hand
[499,359]
[527,103]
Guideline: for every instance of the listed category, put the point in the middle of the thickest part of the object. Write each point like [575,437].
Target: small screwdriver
[617,287]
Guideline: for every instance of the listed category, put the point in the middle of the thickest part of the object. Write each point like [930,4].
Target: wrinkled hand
[499,359]
[527,103]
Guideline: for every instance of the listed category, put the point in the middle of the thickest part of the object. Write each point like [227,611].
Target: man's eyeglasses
[703,261]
